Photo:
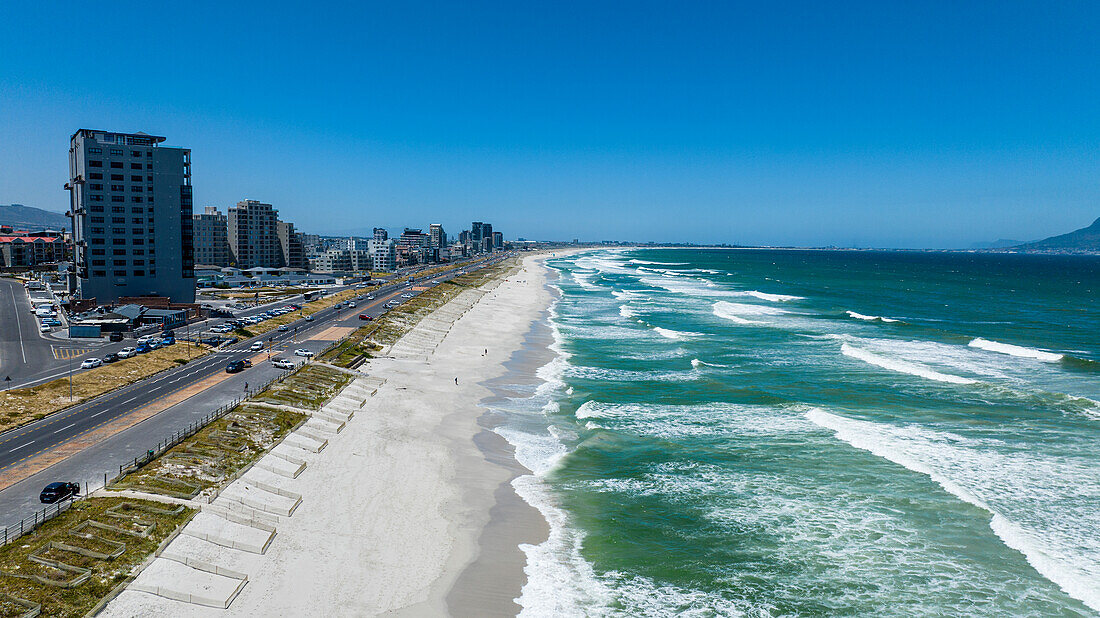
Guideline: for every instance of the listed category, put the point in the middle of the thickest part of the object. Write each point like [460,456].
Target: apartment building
[131,211]
[210,230]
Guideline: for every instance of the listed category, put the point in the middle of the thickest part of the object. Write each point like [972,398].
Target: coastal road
[84,442]
[22,347]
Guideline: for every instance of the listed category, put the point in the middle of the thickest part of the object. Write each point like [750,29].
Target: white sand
[393,508]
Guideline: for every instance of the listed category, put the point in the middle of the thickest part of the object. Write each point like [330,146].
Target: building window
[118,187]
[97,208]
[137,210]
[96,198]
[120,273]
[116,152]
[95,151]
[118,198]
[148,179]
[94,163]
[99,262]
[152,273]
[148,166]
[120,262]
[139,273]
[97,241]
[135,153]
[137,231]
[150,199]
[118,241]
[139,262]
[97,230]
[135,189]
[118,219]
[116,165]
[135,166]
[98,252]
[97,219]
[99,273]
[135,199]
[118,230]
[135,178]
[95,187]
[139,251]
[119,252]
[116,177]
[137,221]
[118,209]
[140,241]
[95,176]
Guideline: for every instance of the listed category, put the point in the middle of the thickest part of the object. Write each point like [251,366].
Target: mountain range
[1084,240]
[32,219]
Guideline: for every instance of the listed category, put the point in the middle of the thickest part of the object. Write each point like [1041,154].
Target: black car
[168,333]
[55,492]
[235,367]
[110,358]
[115,337]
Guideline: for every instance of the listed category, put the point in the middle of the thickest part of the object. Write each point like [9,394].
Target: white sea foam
[736,312]
[1015,350]
[625,375]
[626,294]
[627,312]
[675,335]
[584,279]
[696,363]
[1065,551]
[870,318]
[901,366]
[775,298]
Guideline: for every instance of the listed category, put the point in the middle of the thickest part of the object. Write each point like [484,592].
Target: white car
[126,352]
[259,345]
[370,297]
[283,328]
[146,338]
[283,363]
[303,352]
[90,363]
[45,328]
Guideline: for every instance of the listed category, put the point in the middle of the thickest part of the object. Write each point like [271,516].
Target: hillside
[1084,240]
[29,218]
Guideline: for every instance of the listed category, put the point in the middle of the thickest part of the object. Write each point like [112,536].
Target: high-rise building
[487,237]
[211,237]
[381,234]
[498,241]
[437,237]
[253,235]
[476,233]
[130,204]
[383,255]
[290,246]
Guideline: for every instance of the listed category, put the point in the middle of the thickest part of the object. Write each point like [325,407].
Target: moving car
[370,297]
[283,328]
[145,338]
[283,363]
[55,492]
[259,345]
[303,352]
[115,337]
[363,316]
[309,318]
[126,352]
[235,367]
[90,363]
[110,358]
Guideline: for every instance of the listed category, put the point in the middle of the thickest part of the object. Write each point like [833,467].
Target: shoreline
[410,511]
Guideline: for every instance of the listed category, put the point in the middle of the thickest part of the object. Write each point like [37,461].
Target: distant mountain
[1000,243]
[1084,240]
[32,219]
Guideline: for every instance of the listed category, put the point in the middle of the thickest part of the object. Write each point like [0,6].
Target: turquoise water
[775,433]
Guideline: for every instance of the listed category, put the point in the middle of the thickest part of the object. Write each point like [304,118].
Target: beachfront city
[485,310]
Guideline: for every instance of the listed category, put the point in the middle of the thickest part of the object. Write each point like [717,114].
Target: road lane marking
[65,427]
[22,445]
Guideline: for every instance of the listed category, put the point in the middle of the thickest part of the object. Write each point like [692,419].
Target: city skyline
[863,125]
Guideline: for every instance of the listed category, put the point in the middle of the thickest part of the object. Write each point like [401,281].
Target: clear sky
[871,124]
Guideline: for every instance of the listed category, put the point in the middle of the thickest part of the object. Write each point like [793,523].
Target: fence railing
[41,516]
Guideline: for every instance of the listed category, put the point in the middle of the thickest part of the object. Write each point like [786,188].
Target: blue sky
[871,124]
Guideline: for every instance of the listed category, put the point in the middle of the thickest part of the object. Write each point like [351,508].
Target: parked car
[126,352]
[56,492]
[90,363]
[370,297]
[52,322]
[235,367]
[303,352]
[259,345]
[363,316]
[168,341]
[142,348]
[283,363]
[145,338]
[44,328]
[168,332]
[110,358]
[283,328]
[155,344]
[309,318]
[115,337]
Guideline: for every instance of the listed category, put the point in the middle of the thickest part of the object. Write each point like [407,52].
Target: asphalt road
[22,348]
[89,465]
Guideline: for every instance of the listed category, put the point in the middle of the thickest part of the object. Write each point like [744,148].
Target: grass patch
[309,388]
[19,406]
[15,558]
[214,454]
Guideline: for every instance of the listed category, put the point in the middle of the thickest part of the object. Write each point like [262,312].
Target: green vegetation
[214,455]
[308,388]
[68,564]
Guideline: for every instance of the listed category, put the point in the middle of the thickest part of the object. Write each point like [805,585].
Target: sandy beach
[409,510]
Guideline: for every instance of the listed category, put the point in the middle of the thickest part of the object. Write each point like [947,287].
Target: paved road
[89,464]
[22,347]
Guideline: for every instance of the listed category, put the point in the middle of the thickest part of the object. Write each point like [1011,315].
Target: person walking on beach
[456,381]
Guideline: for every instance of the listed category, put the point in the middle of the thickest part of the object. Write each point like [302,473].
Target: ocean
[788,433]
